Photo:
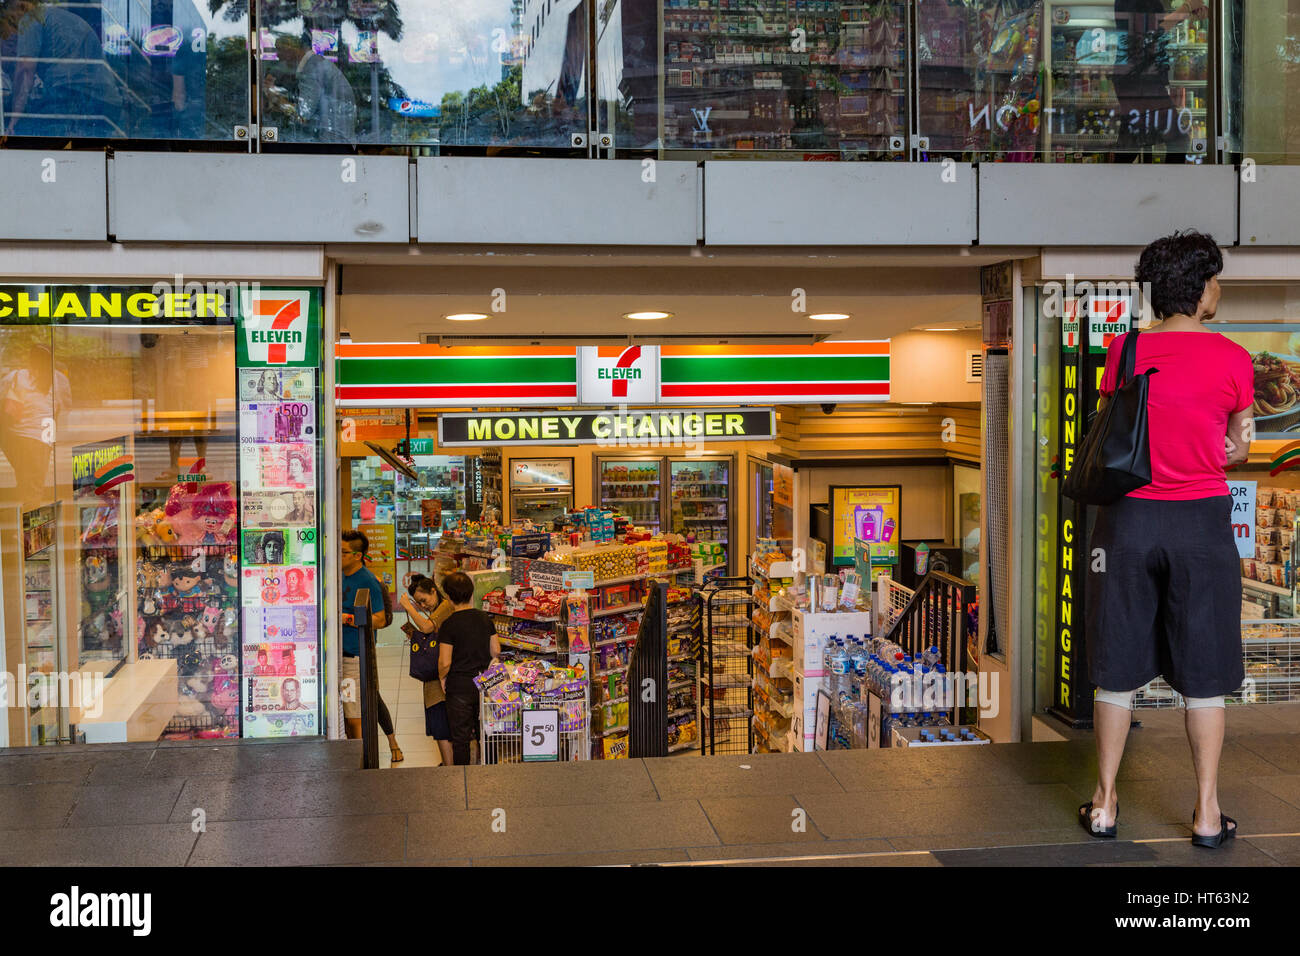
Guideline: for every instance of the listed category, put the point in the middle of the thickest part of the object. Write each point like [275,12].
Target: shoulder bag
[1115,457]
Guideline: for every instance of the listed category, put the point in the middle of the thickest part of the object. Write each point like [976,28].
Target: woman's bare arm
[1241,429]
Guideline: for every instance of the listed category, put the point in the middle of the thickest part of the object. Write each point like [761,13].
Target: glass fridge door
[632,486]
[700,499]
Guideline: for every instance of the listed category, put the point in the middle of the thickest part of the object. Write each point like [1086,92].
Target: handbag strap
[1127,359]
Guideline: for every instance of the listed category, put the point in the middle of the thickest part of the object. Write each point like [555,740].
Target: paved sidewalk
[304,802]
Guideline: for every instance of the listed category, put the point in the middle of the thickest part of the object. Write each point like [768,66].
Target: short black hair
[458,587]
[351,536]
[421,582]
[1176,268]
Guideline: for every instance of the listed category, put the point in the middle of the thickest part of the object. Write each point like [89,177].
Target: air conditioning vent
[975,366]
[434,338]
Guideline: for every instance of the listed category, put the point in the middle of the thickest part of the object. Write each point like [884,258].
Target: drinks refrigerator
[634,487]
[678,495]
[541,489]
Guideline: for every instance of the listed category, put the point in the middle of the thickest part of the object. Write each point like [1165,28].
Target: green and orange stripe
[113,473]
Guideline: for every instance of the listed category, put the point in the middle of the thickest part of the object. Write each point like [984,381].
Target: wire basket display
[1271,654]
[726,672]
[501,732]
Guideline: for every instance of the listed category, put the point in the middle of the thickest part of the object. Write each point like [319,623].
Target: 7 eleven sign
[1108,316]
[279,328]
[1070,325]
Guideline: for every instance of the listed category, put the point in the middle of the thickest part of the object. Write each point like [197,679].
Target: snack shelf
[520,617]
[725,681]
[522,646]
[621,609]
[681,683]
[610,700]
[614,640]
[681,711]
[691,657]
[611,670]
[686,745]
[607,731]
[1267,588]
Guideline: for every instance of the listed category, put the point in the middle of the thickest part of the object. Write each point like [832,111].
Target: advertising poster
[278,353]
[1275,353]
[1243,516]
[382,560]
[870,513]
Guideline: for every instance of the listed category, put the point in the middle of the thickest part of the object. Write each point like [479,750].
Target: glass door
[700,501]
[632,486]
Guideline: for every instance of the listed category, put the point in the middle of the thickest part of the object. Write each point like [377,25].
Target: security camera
[828,408]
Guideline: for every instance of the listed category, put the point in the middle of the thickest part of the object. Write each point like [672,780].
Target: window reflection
[820,76]
[424,73]
[1076,80]
[146,69]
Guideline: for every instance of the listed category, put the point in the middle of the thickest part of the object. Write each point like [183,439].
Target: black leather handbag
[1115,457]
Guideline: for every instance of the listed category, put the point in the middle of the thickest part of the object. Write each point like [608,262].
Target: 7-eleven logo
[1070,324]
[610,373]
[1109,316]
[275,325]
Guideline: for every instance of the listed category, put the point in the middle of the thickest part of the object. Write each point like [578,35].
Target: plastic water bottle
[858,657]
[826,656]
[839,672]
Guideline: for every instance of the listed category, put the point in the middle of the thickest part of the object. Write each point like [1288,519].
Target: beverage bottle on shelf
[839,670]
[826,656]
[941,720]
[861,660]
[931,656]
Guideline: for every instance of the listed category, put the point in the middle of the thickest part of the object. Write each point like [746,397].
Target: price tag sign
[579,579]
[541,734]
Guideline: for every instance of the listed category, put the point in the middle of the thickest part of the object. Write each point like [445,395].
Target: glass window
[1262,65]
[141,69]
[129,471]
[813,76]
[1066,81]
[423,73]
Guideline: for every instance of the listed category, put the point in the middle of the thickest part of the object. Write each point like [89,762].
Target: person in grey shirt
[325,107]
[81,95]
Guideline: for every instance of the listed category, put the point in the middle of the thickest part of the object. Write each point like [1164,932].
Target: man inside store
[356,577]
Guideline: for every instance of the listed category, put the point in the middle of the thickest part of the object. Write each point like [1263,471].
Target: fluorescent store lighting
[829,316]
[647,316]
[943,330]
[465,317]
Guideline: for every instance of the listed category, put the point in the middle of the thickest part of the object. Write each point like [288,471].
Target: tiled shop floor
[1004,804]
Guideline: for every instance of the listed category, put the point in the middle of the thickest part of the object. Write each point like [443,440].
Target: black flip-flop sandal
[1225,833]
[1085,821]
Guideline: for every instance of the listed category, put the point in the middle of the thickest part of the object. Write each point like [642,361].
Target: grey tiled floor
[306,803]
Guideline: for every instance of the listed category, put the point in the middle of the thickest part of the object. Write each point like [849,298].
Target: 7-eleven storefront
[725,451]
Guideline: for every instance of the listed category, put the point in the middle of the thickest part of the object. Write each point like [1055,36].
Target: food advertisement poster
[872,514]
[1275,352]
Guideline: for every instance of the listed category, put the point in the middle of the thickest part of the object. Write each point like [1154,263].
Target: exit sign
[421,446]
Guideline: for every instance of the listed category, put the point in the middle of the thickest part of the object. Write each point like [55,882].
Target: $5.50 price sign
[541,734]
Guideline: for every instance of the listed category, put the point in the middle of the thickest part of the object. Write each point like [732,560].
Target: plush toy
[165,533]
[211,620]
[229,634]
[190,702]
[224,699]
[213,512]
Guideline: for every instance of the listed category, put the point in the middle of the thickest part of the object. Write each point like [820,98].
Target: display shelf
[681,711]
[686,745]
[1266,588]
[610,670]
[681,683]
[611,611]
[615,640]
[605,701]
[613,500]
[607,731]
[629,481]
[520,617]
[673,659]
[523,646]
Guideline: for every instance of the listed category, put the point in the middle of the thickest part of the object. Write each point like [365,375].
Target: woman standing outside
[1167,600]
[468,643]
[427,611]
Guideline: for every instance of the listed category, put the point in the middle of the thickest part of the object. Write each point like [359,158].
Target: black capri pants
[1164,596]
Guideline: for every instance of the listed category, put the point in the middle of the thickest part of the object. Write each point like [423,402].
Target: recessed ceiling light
[647,316]
[829,316]
[465,317]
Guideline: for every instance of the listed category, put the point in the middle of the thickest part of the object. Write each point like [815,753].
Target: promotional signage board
[277,349]
[392,375]
[1243,516]
[640,426]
